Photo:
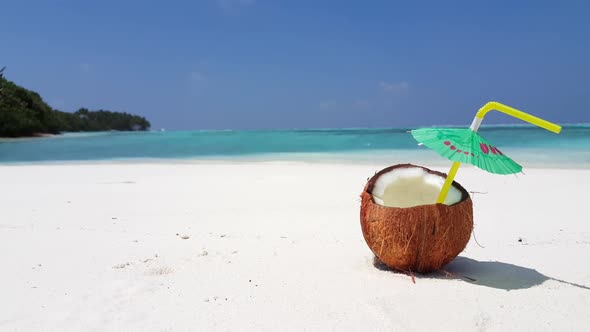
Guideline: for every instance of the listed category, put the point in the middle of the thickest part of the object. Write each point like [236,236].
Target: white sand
[276,247]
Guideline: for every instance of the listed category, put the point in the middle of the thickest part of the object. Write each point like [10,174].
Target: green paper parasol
[466,146]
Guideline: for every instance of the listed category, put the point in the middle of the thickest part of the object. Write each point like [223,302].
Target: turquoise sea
[529,146]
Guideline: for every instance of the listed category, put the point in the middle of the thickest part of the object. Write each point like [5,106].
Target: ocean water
[529,146]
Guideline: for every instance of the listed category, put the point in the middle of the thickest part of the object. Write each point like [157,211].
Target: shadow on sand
[489,274]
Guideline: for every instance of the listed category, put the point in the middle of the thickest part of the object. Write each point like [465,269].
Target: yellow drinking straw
[493,105]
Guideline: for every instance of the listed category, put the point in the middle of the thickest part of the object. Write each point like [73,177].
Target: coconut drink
[405,228]
[417,219]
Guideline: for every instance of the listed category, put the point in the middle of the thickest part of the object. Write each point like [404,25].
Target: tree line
[24,113]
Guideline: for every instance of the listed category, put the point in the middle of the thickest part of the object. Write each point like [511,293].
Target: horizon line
[503,125]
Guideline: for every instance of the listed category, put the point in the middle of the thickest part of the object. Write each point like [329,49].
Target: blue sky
[258,64]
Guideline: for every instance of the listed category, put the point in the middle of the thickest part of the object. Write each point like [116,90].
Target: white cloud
[196,83]
[361,104]
[328,104]
[85,67]
[394,88]
[196,76]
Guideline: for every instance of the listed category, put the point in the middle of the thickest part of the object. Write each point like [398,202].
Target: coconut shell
[421,238]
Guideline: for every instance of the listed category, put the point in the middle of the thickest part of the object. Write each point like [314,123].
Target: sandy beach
[271,246]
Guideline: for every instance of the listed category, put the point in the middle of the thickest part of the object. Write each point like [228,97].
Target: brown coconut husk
[421,238]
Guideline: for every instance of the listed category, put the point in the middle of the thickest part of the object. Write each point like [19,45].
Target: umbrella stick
[445,188]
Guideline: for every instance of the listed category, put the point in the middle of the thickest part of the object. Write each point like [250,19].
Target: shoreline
[269,161]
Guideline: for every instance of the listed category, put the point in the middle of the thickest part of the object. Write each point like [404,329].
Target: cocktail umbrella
[466,146]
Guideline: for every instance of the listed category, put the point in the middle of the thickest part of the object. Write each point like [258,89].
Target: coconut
[405,228]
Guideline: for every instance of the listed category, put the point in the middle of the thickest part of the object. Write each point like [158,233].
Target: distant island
[23,113]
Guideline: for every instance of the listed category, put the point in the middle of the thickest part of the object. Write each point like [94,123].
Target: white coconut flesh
[411,186]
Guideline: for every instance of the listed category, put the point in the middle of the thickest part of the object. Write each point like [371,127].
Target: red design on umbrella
[496,150]
[484,148]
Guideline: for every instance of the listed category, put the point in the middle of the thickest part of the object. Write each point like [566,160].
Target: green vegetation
[24,113]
